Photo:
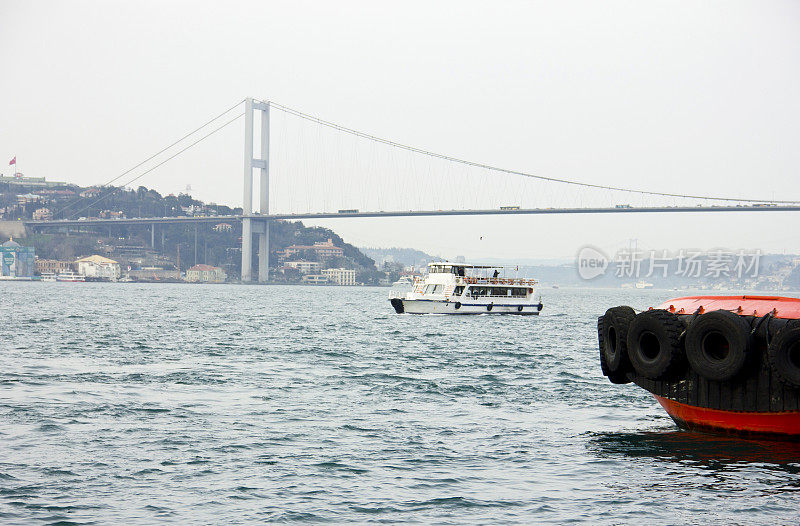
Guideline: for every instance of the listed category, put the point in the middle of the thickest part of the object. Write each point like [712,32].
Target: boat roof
[463,265]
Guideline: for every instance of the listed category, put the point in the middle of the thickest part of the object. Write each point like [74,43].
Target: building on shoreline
[205,274]
[53,266]
[98,267]
[305,267]
[340,276]
[16,261]
[315,279]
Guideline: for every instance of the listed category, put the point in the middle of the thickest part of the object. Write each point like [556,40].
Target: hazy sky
[698,97]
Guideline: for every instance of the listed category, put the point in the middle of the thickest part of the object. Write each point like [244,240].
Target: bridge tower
[251,223]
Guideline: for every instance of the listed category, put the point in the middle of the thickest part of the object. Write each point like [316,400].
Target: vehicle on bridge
[509,208]
[349,211]
[456,288]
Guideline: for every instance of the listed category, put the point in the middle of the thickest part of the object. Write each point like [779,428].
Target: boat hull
[719,364]
[784,424]
[451,307]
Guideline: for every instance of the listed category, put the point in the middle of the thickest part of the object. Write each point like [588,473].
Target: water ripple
[222,404]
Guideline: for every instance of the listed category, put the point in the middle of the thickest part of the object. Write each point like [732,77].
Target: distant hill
[218,244]
[404,256]
[286,233]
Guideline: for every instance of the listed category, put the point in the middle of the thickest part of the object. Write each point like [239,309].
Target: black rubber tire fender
[718,345]
[618,377]
[615,337]
[784,354]
[519,308]
[601,329]
[397,303]
[489,306]
[654,344]
[457,305]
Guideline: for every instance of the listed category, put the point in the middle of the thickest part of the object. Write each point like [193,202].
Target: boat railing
[499,281]
[472,280]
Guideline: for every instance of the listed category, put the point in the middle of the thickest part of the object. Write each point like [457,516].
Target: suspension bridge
[341,182]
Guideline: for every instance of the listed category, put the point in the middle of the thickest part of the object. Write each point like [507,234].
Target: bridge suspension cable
[112,190]
[394,144]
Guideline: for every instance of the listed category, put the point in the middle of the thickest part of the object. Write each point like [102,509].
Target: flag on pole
[13,161]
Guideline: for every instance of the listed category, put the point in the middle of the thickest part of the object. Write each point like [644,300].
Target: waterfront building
[53,266]
[315,279]
[16,261]
[340,276]
[305,267]
[98,267]
[205,274]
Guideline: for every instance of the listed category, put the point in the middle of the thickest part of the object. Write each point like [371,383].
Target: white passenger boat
[455,288]
[70,276]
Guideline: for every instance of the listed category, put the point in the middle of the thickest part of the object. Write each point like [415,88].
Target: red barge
[724,364]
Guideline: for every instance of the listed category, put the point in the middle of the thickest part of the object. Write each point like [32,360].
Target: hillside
[217,244]
[402,256]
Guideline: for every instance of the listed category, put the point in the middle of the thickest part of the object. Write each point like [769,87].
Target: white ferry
[455,288]
[70,276]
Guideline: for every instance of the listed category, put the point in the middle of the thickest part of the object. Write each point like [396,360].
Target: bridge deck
[408,213]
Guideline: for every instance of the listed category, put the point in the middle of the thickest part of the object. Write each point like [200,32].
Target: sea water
[142,404]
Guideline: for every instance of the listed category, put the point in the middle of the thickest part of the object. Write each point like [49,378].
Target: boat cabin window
[458,290]
[501,292]
[447,269]
[433,289]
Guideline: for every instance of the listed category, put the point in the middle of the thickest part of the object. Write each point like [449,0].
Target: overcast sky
[697,97]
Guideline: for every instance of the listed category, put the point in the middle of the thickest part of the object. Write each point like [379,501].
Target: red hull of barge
[784,424]
[720,364]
